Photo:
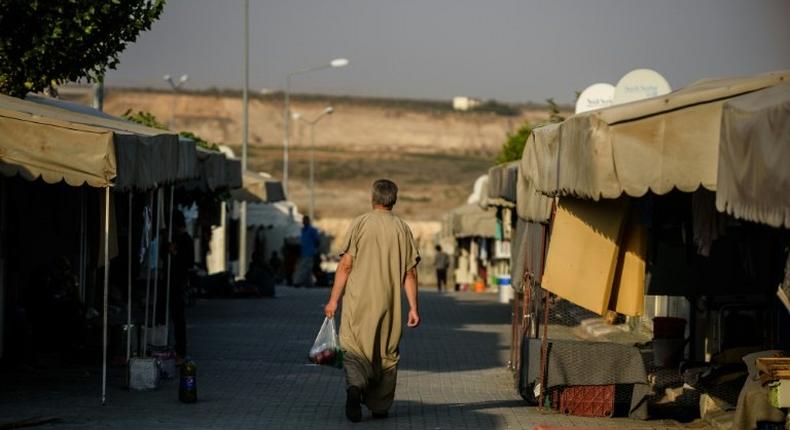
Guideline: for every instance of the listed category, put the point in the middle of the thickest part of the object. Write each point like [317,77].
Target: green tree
[199,141]
[48,42]
[148,119]
[554,111]
[514,145]
[144,118]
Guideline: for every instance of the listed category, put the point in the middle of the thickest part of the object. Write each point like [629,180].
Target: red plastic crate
[587,400]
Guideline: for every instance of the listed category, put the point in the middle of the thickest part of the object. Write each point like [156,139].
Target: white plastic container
[505,288]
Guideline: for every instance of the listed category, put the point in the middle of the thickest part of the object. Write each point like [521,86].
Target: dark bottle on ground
[187,387]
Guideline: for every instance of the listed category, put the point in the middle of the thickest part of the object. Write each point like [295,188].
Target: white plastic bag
[326,348]
[144,373]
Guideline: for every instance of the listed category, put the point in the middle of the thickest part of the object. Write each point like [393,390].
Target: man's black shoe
[380,415]
[354,404]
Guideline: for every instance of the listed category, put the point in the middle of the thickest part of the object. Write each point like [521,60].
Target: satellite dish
[595,96]
[640,84]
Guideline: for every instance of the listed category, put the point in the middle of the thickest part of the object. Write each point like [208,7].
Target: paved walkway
[252,373]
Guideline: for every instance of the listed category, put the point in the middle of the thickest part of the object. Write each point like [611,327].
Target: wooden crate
[773,368]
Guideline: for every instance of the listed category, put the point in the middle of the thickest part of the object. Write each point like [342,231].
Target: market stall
[471,231]
[636,215]
[51,142]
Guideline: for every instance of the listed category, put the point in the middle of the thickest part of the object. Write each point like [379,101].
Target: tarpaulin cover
[470,220]
[527,253]
[530,204]
[656,144]
[215,171]
[258,188]
[754,157]
[502,185]
[60,141]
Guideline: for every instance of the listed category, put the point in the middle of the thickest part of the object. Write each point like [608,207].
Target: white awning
[754,157]
[657,144]
[58,141]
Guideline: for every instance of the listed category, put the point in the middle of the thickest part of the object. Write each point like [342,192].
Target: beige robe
[383,250]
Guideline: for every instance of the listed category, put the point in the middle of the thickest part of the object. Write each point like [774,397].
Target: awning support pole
[148,280]
[82,245]
[157,223]
[129,281]
[106,290]
[169,258]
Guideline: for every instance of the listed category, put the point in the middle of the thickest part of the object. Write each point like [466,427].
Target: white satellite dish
[595,96]
[640,84]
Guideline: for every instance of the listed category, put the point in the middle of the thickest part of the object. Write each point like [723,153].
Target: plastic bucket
[669,328]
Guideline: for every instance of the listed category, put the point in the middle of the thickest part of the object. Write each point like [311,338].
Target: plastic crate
[587,400]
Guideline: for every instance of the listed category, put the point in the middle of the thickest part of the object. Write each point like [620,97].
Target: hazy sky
[514,50]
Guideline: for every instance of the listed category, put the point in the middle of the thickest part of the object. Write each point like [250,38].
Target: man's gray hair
[385,193]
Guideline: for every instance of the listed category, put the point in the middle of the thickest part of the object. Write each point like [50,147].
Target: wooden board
[583,251]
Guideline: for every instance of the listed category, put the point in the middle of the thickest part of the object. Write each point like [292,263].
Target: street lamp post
[175,86]
[312,123]
[337,62]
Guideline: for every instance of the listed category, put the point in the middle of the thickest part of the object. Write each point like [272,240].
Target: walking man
[442,262]
[310,240]
[378,258]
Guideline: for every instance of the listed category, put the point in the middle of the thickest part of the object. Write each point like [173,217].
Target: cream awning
[469,220]
[531,205]
[502,181]
[657,144]
[754,157]
[59,141]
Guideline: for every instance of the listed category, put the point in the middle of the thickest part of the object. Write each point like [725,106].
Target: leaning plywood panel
[628,291]
[583,252]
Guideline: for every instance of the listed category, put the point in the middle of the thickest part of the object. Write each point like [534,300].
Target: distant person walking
[183,251]
[378,258]
[310,240]
[442,263]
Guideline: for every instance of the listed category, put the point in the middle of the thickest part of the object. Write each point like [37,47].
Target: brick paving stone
[253,374]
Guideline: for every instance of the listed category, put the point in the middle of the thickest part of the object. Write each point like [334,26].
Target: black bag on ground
[529,375]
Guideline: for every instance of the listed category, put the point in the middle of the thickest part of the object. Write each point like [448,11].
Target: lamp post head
[296,116]
[329,110]
[183,78]
[339,62]
[167,78]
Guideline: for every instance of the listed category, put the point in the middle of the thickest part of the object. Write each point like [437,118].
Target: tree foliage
[148,119]
[554,111]
[144,118]
[514,145]
[199,141]
[48,42]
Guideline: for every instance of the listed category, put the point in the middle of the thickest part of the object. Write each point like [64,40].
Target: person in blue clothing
[309,257]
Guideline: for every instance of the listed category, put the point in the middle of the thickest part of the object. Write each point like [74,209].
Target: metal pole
[82,245]
[98,95]
[245,131]
[169,259]
[129,283]
[245,139]
[312,171]
[106,290]
[148,281]
[159,204]
[286,131]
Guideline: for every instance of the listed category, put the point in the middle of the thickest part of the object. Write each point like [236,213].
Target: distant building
[465,103]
